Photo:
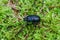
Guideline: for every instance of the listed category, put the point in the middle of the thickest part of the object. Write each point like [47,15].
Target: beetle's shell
[32,18]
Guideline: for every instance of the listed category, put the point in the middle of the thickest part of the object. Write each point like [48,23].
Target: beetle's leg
[27,23]
[38,25]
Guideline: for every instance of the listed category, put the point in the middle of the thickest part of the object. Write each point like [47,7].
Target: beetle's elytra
[32,18]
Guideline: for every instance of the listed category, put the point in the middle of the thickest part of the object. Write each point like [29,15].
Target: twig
[58,6]
[27,35]
[43,6]
[16,11]
[20,30]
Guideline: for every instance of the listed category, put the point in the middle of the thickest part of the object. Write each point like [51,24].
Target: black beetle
[35,19]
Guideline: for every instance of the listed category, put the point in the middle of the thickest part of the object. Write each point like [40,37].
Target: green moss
[49,25]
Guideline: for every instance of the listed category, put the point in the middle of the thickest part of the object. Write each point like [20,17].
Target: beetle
[34,19]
